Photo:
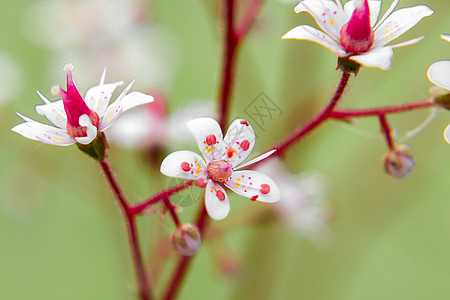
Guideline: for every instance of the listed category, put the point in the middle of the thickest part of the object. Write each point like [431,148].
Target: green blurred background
[62,235]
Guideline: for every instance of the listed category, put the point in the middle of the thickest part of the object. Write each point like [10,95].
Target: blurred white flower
[97,33]
[150,126]
[303,206]
[11,78]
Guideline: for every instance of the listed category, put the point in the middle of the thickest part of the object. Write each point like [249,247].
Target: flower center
[220,170]
[357,35]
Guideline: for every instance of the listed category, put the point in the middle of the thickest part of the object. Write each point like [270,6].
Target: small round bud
[399,161]
[186,239]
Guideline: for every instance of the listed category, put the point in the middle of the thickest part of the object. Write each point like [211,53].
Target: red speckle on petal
[211,140]
[245,145]
[185,166]
[254,198]
[230,152]
[220,195]
[244,122]
[265,188]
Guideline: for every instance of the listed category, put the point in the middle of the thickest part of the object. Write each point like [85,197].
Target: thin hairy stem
[373,112]
[387,131]
[139,208]
[143,284]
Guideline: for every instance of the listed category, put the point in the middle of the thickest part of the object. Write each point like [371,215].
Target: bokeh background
[62,235]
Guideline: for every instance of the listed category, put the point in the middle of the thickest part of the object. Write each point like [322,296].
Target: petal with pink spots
[239,141]
[209,137]
[216,201]
[399,22]
[184,164]
[329,16]
[44,133]
[254,185]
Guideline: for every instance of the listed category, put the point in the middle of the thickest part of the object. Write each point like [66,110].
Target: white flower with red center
[78,120]
[219,168]
[439,74]
[351,30]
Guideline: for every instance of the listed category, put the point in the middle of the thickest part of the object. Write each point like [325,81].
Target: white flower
[303,206]
[439,74]
[78,120]
[222,156]
[350,30]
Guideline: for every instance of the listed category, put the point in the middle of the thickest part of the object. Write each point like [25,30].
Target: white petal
[53,111]
[439,74]
[204,131]
[173,165]
[328,15]
[216,201]
[97,98]
[114,110]
[387,13]
[254,185]
[398,23]
[374,8]
[446,134]
[91,131]
[446,37]
[134,99]
[377,58]
[407,43]
[256,159]
[239,141]
[308,33]
[44,133]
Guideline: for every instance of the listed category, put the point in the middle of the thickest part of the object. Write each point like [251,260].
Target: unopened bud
[399,161]
[186,239]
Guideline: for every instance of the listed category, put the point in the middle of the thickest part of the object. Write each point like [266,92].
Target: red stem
[172,211]
[318,119]
[387,131]
[232,41]
[143,287]
[228,65]
[371,112]
[140,207]
[248,19]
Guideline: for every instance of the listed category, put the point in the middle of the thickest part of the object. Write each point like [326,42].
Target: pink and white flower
[219,165]
[351,30]
[439,74]
[78,120]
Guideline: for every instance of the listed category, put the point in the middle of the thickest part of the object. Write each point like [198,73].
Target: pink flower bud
[357,35]
[186,239]
[399,162]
